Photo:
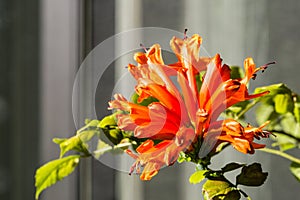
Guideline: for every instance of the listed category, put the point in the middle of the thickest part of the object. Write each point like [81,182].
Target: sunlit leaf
[107,121]
[297,111]
[145,102]
[251,175]
[183,158]
[54,171]
[215,189]
[283,103]
[274,90]
[69,144]
[295,169]
[91,124]
[197,176]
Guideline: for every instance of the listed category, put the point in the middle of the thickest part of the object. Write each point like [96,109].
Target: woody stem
[282,154]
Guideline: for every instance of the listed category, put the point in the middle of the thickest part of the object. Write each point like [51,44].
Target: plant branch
[248,107]
[280,153]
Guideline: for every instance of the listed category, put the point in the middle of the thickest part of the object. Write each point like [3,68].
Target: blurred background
[43,42]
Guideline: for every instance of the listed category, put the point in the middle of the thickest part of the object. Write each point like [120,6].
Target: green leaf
[283,103]
[59,140]
[77,142]
[54,171]
[264,112]
[109,126]
[290,125]
[284,142]
[91,124]
[297,111]
[109,120]
[215,189]
[115,135]
[231,166]
[103,147]
[197,176]
[199,78]
[274,90]
[183,158]
[145,102]
[232,195]
[66,145]
[251,175]
[295,169]
[236,109]
[236,72]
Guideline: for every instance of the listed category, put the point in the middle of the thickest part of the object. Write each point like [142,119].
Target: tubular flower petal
[180,116]
[240,138]
[187,52]
[153,157]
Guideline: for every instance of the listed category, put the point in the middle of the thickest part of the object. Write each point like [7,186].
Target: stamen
[254,76]
[141,45]
[184,34]
[266,134]
[265,66]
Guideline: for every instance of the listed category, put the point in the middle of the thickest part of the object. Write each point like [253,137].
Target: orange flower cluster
[183,113]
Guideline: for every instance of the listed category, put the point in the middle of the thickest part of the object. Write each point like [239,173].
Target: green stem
[248,107]
[282,154]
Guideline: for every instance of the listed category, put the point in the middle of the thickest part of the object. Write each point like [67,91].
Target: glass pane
[265,30]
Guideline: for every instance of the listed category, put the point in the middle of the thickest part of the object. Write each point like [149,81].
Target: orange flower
[153,157]
[240,138]
[181,115]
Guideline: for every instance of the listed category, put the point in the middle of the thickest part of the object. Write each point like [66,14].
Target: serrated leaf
[283,103]
[69,144]
[215,189]
[53,172]
[274,90]
[76,142]
[109,120]
[251,175]
[197,176]
[231,166]
[295,169]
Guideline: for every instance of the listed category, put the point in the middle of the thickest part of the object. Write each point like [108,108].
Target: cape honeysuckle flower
[241,138]
[181,115]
